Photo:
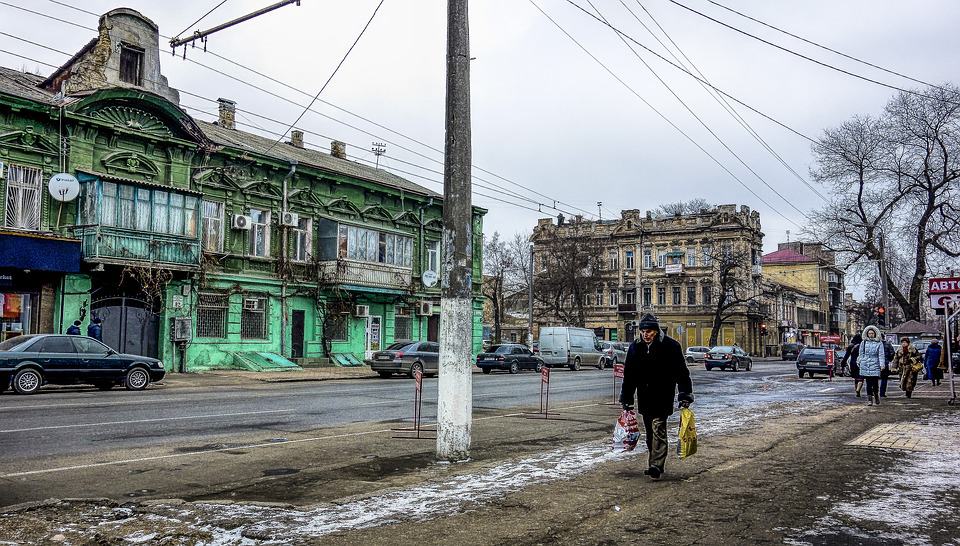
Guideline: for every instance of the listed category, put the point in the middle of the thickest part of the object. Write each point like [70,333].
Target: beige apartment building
[669,266]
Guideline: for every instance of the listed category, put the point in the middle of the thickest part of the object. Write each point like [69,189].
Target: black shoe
[909,394]
[876,400]
[654,472]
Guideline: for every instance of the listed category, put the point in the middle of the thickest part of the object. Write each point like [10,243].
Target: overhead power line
[332,105]
[697,117]
[831,50]
[202,17]
[806,57]
[659,113]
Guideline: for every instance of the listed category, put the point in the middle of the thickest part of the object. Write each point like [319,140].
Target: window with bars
[212,312]
[253,319]
[23,197]
[403,325]
[336,327]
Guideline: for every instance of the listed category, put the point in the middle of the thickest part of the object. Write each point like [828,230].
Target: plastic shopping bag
[626,433]
[687,442]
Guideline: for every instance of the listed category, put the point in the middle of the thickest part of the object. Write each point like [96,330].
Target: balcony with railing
[110,243]
[365,274]
[626,308]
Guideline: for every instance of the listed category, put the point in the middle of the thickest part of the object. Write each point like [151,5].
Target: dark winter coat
[655,372]
[931,361]
[95,331]
[73,330]
[853,351]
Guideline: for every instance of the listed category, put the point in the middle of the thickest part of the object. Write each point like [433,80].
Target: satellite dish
[429,278]
[64,187]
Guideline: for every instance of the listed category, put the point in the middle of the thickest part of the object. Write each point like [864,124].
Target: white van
[572,347]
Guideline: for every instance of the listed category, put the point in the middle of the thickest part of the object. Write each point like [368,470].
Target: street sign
[944,291]
[829,357]
[938,301]
[418,378]
[829,339]
[618,370]
[545,375]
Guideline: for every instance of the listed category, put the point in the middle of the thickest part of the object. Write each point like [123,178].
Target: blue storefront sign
[28,251]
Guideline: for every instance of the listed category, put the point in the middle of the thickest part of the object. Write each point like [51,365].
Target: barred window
[403,328]
[336,326]
[253,320]
[23,197]
[212,311]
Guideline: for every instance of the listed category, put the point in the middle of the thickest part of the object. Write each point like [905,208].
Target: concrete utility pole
[530,300]
[455,399]
[883,279]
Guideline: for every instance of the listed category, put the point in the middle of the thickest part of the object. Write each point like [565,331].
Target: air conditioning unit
[253,304]
[241,221]
[362,311]
[288,218]
[425,308]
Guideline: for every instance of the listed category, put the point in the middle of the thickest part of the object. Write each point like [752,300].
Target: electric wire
[332,105]
[831,50]
[698,118]
[202,17]
[661,115]
[808,58]
[720,99]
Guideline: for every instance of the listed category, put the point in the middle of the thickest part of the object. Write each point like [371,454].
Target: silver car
[695,354]
[406,357]
[613,352]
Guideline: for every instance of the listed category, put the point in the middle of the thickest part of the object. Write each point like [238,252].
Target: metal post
[530,301]
[947,317]
[883,281]
[455,401]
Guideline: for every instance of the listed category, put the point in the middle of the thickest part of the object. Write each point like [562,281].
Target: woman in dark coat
[853,351]
[931,362]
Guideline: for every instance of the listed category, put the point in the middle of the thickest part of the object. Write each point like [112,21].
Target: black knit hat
[648,322]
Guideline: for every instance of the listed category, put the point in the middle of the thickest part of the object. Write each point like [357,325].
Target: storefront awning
[38,252]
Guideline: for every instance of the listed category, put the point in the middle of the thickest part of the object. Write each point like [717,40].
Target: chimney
[296,138]
[338,149]
[228,114]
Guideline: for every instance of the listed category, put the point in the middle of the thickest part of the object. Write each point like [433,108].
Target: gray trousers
[656,429]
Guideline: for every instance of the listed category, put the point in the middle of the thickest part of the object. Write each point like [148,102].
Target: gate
[129,325]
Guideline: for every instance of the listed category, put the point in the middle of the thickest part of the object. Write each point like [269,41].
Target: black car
[512,357]
[790,351]
[407,357]
[725,356]
[813,360]
[28,362]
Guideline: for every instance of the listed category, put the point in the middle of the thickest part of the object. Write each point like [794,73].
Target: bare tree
[568,269]
[734,289]
[896,176]
[498,265]
[692,206]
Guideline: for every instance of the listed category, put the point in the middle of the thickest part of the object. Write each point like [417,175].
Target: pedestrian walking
[75,329]
[853,351]
[886,372]
[932,360]
[95,330]
[654,371]
[907,362]
[872,359]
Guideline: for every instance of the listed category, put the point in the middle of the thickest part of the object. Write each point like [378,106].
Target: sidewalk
[238,377]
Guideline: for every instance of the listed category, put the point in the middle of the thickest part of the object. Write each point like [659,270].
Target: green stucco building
[196,242]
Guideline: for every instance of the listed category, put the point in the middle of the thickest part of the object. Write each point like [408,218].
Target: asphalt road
[87,435]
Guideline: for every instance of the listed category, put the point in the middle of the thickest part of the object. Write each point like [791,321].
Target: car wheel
[689,360]
[539,367]
[416,367]
[385,374]
[576,364]
[736,366]
[486,371]
[801,374]
[750,366]
[137,379]
[514,368]
[27,381]
[104,385]
[811,374]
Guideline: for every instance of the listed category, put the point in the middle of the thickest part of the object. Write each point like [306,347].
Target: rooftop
[787,256]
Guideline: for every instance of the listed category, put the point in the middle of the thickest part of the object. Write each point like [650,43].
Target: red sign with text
[545,375]
[618,370]
[829,357]
[418,378]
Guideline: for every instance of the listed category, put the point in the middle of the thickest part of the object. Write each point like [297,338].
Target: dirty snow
[905,502]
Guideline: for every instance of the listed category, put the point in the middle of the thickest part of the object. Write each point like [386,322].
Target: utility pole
[530,300]
[883,279]
[455,397]
[378,149]
[600,210]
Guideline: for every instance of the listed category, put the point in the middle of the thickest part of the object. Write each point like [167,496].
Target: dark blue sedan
[28,362]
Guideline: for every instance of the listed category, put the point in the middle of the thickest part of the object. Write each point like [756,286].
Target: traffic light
[763,329]
[881,316]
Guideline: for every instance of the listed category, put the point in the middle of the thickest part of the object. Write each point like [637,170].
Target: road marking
[828,389]
[248,446]
[147,420]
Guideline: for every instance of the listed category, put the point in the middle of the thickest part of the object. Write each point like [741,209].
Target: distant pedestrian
[886,372]
[907,362]
[931,362]
[853,351]
[75,329]
[872,359]
[654,370]
[95,330]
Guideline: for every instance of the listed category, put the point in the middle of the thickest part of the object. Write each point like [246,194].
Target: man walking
[95,330]
[654,370]
[74,330]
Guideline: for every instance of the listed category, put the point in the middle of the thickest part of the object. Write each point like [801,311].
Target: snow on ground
[904,503]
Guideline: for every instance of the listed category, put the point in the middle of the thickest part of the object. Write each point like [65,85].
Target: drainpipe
[283,253]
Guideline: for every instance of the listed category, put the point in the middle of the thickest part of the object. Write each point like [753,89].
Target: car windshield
[501,349]
[921,345]
[14,343]
[722,349]
[399,345]
[814,351]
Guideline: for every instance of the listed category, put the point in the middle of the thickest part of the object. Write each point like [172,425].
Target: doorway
[433,328]
[374,335]
[129,325]
[296,334]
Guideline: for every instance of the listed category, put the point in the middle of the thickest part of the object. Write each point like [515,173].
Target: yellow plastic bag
[687,444]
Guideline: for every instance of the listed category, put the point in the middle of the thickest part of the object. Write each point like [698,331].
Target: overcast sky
[545,115]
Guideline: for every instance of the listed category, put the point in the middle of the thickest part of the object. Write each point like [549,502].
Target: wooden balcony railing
[365,274]
[113,243]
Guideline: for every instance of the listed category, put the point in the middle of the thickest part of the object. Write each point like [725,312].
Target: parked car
[406,357]
[571,347]
[726,356]
[696,354]
[813,360]
[790,351]
[512,357]
[28,362]
[613,352]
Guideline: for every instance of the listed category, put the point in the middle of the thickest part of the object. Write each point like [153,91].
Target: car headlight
[160,364]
